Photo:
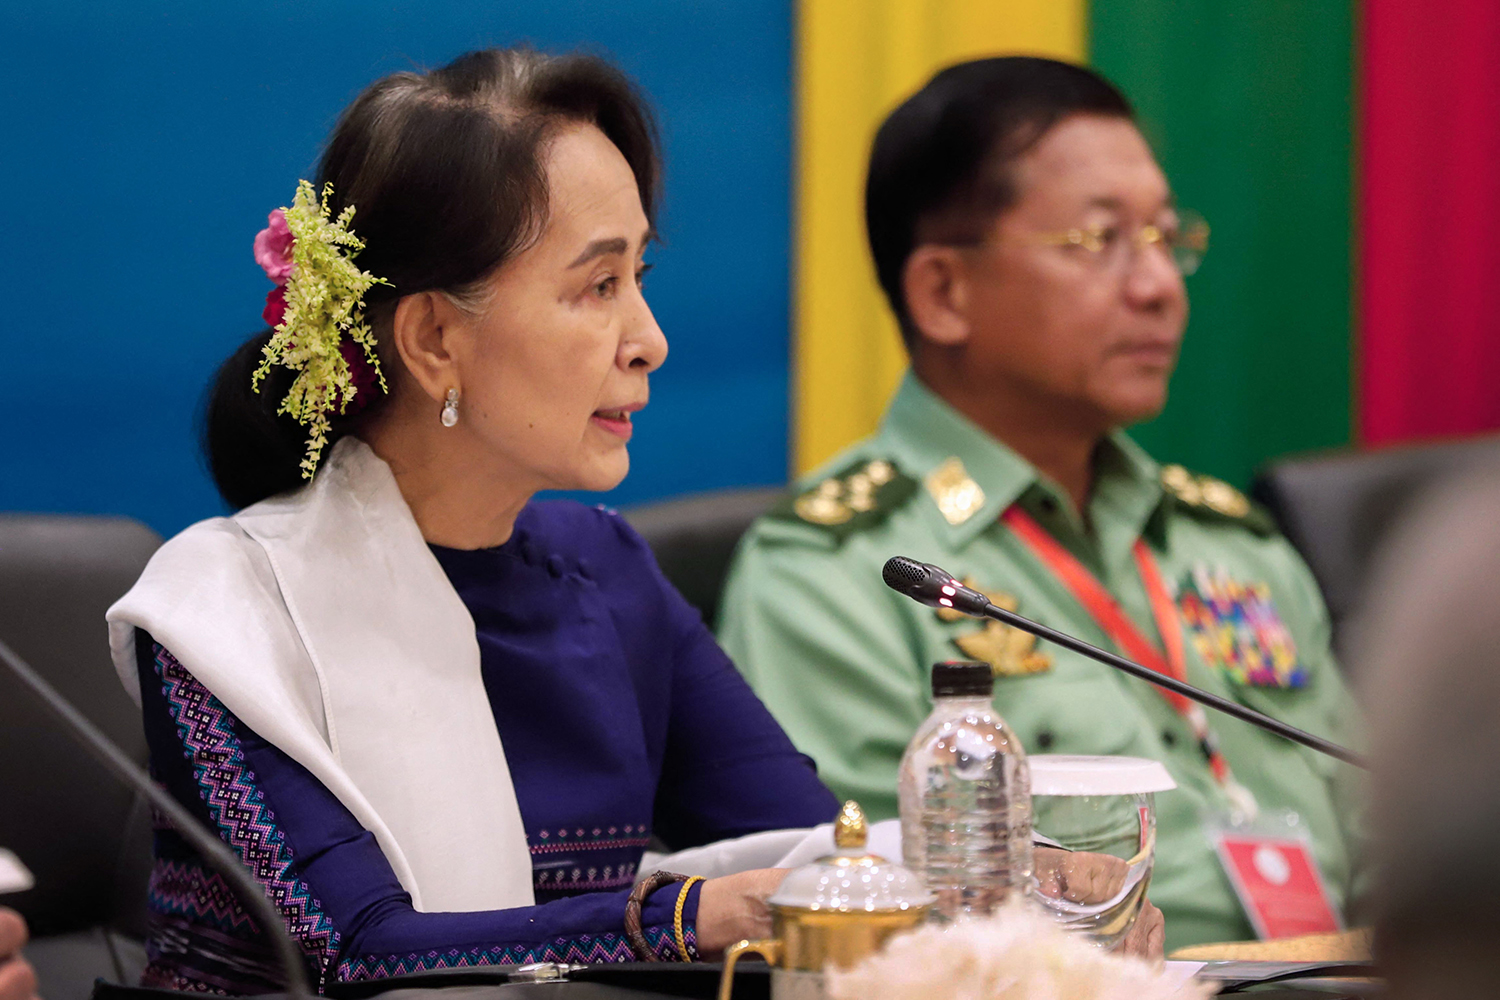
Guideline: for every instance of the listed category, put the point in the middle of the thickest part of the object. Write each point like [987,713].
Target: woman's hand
[17,981]
[731,909]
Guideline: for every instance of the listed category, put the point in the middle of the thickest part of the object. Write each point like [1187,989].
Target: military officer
[1030,247]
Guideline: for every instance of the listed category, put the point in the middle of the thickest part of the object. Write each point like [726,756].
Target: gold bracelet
[682,895]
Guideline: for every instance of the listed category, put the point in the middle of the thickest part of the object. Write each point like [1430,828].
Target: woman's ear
[421,335]
[935,285]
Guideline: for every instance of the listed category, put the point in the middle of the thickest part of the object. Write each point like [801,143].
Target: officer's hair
[940,168]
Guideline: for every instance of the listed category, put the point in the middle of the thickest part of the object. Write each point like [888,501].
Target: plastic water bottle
[965,797]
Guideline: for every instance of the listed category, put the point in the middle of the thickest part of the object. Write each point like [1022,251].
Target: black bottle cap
[962,679]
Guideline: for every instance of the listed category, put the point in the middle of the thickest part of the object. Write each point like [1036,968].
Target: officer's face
[1096,329]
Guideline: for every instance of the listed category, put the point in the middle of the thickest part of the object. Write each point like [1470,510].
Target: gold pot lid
[851,879]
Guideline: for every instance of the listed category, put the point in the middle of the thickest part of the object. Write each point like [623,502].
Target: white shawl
[325,624]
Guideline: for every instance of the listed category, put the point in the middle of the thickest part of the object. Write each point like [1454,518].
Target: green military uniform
[842,661]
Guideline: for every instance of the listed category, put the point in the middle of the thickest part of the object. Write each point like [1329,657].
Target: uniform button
[1044,740]
[585,570]
[1169,738]
[555,566]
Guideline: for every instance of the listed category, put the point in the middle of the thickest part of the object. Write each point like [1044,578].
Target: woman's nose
[644,345]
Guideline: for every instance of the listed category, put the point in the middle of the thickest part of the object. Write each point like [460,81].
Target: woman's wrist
[733,908]
[666,903]
[635,919]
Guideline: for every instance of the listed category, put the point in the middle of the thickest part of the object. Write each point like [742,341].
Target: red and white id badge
[1278,882]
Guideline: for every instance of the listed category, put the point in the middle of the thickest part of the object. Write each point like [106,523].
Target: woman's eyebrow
[600,248]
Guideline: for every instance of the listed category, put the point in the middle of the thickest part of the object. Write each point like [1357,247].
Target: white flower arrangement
[1017,954]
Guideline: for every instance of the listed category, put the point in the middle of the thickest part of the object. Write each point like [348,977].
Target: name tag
[1278,883]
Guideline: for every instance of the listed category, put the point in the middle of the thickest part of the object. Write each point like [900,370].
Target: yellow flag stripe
[856,60]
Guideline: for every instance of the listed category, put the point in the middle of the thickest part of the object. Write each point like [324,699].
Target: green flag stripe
[1249,106]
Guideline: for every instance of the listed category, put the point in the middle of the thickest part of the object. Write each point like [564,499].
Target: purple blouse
[621,719]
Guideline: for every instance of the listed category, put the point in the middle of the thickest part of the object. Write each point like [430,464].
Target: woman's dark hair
[940,169]
[446,175]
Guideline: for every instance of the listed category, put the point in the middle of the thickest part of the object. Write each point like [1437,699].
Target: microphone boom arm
[211,848]
[1231,708]
[935,587]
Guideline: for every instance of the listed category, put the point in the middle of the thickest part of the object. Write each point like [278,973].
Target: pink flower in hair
[273,248]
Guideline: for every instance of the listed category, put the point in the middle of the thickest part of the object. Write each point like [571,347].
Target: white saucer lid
[851,878]
[1068,774]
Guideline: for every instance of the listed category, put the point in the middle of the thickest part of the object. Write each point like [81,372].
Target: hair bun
[253,452]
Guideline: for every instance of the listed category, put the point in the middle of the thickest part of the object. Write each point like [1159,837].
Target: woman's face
[552,368]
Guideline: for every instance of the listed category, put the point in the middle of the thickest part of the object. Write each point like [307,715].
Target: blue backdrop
[145,141]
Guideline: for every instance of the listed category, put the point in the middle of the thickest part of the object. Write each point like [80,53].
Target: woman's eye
[606,288]
[640,275]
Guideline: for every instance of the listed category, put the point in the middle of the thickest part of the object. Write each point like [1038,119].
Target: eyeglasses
[1112,248]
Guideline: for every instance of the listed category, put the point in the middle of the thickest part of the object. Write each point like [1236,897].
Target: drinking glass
[1095,824]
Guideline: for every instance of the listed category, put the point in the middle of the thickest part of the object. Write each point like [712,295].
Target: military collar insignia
[958,497]
[857,497]
[1236,628]
[1009,651]
[1214,499]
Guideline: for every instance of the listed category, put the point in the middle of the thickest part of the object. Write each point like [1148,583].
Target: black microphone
[208,845]
[935,587]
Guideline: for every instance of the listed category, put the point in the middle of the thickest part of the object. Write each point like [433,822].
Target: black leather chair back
[694,538]
[1338,508]
[84,836]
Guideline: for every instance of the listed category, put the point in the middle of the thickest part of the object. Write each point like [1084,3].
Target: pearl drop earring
[450,409]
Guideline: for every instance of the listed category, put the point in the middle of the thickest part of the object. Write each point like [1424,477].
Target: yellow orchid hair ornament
[316,312]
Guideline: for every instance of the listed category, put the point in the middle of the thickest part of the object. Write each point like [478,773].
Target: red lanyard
[1122,631]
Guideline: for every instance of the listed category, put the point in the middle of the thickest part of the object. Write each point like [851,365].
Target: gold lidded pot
[838,910]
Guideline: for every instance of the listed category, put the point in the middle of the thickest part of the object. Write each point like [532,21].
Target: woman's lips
[1157,355]
[617,422]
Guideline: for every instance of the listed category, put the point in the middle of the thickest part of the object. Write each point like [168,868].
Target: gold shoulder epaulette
[1214,499]
[854,499]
